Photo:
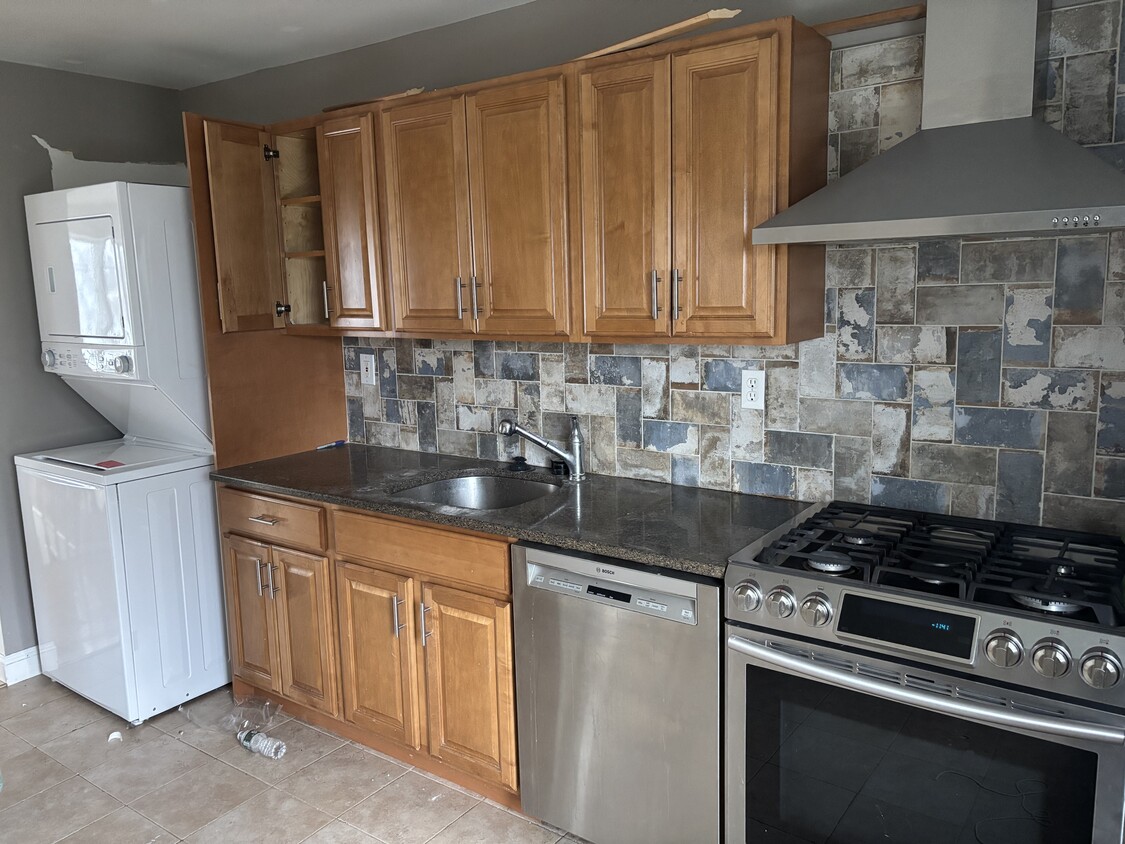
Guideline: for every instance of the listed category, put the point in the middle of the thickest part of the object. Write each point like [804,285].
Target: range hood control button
[1004,649]
[747,596]
[1050,658]
[780,603]
[1100,669]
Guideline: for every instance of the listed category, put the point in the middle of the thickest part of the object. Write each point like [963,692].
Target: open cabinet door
[244,226]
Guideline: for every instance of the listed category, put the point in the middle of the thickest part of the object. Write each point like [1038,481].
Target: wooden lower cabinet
[470,701]
[251,619]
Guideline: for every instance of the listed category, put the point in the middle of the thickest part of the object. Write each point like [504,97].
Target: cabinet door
[377,643]
[346,152]
[251,626]
[469,683]
[517,182]
[724,142]
[244,222]
[426,179]
[306,632]
[626,198]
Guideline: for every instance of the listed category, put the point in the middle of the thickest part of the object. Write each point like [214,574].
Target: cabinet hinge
[269,153]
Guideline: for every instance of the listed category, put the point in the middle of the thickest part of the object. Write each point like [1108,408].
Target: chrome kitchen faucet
[573,458]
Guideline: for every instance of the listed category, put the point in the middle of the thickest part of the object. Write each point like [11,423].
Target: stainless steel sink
[479,492]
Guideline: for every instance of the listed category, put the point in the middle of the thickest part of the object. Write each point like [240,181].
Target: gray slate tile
[765,479]
[1070,453]
[896,272]
[900,112]
[1094,515]
[836,416]
[939,261]
[1000,427]
[629,418]
[1050,389]
[854,109]
[782,380]
[850,268]
[1095,347]
[890,439]
[1027,325]
[880,63]
[978,366]
[615,370]
[855,324]
[852,469]
[518,366]
[1111,414]
[881,382]
[915,344]
[857,148]
[1080,280]
[1019,479]
[958,464]
[972,501]
[1008,261]
[934,389]
[1109,477]
[797,449]
[1089,98]
[673,437]
[1083,28]
[725,374]
[976,304]
[928,496]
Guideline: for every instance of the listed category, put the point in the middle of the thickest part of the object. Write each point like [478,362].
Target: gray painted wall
[96,119]
[527,37]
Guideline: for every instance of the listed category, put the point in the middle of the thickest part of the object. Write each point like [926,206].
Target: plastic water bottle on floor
[259,742]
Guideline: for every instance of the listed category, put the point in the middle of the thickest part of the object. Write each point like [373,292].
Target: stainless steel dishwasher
[617,699]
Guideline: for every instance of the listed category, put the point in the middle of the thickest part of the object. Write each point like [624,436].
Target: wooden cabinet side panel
[244,227]
[306,630]
[347,177]
[427,214]
[469,683]
[251,627]
[625,197]
[725,183]
[517,180]
[378,660]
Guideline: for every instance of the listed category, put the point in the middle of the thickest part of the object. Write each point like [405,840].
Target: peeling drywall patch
[70,172]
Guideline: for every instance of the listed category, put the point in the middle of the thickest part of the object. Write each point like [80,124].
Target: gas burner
[829,562]
[1045,603]
[1049,596]
[857,536]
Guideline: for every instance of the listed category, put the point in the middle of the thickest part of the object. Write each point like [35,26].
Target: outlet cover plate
[754,389]
[367,369]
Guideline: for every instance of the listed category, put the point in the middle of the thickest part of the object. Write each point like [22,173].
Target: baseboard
[20,666]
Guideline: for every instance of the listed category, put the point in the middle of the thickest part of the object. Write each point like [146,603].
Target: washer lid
[114,456]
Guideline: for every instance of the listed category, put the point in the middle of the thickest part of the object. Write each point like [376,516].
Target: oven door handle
[925,700]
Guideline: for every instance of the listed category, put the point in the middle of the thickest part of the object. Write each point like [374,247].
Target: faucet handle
[506,428]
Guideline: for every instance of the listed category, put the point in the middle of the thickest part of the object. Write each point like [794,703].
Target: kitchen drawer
[424,551]
[272,520]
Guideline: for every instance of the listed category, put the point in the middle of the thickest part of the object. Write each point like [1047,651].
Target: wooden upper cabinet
[517,179]
[426,180]
[625,198]
[244,226]
[346,157]
[724,119]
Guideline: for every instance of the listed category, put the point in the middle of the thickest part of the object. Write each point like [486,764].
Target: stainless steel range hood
[981,164]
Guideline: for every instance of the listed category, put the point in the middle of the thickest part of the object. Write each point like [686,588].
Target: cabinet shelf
[313,199]
[311,253]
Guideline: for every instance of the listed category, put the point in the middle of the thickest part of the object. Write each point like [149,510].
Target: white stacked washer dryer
[121,535]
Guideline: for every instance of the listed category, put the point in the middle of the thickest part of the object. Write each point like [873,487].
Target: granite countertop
[673,527]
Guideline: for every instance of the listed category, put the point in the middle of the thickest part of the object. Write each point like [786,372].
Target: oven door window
[829,765]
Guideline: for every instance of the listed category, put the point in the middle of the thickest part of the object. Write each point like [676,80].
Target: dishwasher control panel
[616,593]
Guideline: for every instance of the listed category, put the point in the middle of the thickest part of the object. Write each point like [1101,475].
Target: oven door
[824,745]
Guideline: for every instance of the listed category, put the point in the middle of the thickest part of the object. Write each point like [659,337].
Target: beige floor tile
[89,746]
[55,813]
[339,832]
[336,782]
[54,718]
[33,692]
[11,745]
[145,768]
[28,774]
[273,817]
[410,810]
[198,797]
[121,827]
[201,729]
[304,745]
[484,824]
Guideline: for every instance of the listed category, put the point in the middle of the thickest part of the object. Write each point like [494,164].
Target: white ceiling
[182,43]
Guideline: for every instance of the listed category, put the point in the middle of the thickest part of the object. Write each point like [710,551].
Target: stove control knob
[815,610]
[48,359]
[1100,669]
[1050,658]
[122,364]
[780,603]
[1004,649]
[747,596]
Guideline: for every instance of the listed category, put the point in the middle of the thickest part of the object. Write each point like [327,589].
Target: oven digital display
[922,628]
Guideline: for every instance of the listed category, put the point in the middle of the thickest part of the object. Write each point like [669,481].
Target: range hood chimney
[981,164]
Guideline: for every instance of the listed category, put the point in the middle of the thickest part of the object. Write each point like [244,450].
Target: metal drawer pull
[983,713]
[394,608]
[327,310]
[460,288]
[473,285]
[677,280]
[273,589]
[269,521]
[656,309]
[258,571]
[422,621]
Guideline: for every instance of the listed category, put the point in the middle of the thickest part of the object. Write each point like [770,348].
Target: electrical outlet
[367,369]
[753,389]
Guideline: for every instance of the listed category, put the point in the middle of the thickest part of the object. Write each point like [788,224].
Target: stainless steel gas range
[895,676]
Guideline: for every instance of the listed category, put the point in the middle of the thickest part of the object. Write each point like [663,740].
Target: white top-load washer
[121,535]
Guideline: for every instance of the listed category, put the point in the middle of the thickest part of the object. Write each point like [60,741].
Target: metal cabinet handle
[982,713]
[269,574]
[677,280]
[473,285]
[263,520]
[258,571]
[460,297]
[394,608]
[327,309]
[656,309]
[422,622]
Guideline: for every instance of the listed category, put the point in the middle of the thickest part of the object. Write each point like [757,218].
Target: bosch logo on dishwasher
[601,570]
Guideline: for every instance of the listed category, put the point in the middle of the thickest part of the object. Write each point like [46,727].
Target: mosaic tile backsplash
[975,377]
